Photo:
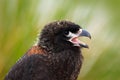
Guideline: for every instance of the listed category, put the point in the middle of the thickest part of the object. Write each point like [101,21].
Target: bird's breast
[67,64]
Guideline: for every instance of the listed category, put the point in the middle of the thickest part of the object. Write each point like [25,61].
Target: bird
[56,56]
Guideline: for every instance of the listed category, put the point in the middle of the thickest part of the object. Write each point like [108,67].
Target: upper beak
[85,34]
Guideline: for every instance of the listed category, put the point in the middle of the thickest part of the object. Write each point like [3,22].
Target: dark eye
[66,32]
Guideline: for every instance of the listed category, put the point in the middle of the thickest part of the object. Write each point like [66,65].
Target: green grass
[21,21]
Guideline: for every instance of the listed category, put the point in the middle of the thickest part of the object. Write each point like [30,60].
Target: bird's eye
[66,32]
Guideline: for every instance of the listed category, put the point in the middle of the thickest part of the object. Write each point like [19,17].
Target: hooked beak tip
[85,33]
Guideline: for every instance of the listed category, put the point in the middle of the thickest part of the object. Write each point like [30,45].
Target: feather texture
[53,58]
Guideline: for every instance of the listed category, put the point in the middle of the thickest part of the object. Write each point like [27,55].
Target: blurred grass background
[21,21]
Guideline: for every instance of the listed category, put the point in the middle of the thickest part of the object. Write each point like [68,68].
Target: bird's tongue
[77,42]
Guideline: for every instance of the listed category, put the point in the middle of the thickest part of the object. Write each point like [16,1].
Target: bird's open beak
[77,42]
[85,34]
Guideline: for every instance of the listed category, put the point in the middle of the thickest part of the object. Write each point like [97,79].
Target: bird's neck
[55,48]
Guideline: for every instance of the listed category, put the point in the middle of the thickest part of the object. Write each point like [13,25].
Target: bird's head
[63,34]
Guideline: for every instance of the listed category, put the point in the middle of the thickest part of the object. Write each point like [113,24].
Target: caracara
[56,56]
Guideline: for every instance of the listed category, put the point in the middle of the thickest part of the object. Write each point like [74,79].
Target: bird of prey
[56,56]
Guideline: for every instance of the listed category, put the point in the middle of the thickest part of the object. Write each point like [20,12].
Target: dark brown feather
[52,58]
